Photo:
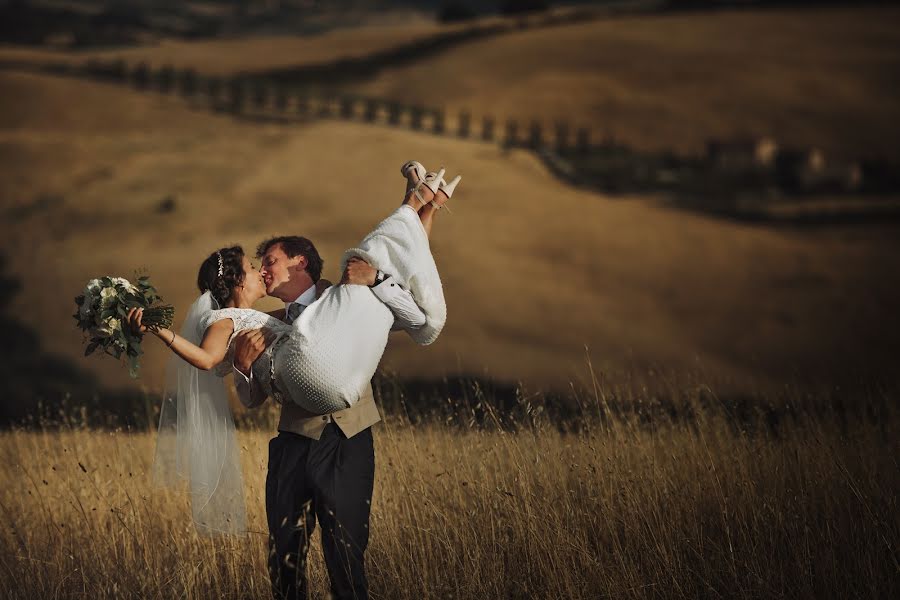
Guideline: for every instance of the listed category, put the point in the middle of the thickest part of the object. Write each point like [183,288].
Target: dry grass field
[621,508]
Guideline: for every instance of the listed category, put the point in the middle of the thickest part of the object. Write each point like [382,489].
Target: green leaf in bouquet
[134,367]
[133,300]
[91,347]
[134,345]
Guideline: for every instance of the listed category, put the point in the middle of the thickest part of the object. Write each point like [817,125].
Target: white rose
[101,332]
[107,328]
[108,297]
[124,283]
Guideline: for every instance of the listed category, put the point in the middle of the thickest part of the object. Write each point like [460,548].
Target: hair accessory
[221,263]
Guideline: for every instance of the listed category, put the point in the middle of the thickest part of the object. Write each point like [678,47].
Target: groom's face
[282,274]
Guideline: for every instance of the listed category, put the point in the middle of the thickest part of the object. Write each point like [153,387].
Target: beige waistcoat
[351,420]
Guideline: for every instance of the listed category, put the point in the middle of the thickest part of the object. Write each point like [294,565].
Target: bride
[322,361]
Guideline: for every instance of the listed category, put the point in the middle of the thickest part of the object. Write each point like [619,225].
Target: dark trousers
[329,480]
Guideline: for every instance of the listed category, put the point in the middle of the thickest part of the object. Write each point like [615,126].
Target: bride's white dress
[325,360]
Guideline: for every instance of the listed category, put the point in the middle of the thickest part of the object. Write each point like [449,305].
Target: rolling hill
[533,270]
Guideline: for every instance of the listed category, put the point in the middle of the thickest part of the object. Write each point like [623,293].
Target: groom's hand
[248,345]
[358,272]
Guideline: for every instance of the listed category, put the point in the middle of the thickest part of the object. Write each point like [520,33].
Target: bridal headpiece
[221,263]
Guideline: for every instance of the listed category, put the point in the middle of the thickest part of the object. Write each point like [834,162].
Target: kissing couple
[316,358]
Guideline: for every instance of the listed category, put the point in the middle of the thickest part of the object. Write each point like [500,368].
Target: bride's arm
[207,355]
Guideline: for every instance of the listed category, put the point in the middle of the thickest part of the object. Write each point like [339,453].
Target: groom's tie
[293,311]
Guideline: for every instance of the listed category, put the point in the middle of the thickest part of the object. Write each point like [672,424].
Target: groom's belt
[351,421]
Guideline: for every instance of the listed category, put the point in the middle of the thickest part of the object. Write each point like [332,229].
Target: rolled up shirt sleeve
[407,314]
[248,389]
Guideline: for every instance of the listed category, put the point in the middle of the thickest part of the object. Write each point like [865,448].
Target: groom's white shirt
[304,299]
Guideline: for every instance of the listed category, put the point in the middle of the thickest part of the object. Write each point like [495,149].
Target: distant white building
[741,153]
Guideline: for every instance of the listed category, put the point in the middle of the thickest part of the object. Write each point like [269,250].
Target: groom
[321,467]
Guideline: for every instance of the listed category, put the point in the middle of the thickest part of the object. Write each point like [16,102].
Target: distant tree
[455,11]
[515,7]
[241,8]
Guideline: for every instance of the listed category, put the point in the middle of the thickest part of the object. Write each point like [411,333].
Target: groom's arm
[407,314]
[248,345]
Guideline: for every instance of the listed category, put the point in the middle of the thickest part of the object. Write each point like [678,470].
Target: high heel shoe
[412,165]
[430,180]
[447,188]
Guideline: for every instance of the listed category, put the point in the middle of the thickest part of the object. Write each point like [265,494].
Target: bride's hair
[221,272]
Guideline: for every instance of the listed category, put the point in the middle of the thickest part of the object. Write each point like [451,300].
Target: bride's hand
[134,321]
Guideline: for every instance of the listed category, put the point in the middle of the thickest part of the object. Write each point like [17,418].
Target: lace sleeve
[243,318]
[207,321]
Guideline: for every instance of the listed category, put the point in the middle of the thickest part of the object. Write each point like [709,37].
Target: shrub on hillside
[455,11]
[516,7]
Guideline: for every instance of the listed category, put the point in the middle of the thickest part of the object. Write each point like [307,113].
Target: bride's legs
[426,210]
[424,191]
[433,201]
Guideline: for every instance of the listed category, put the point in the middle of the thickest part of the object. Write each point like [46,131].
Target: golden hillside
[533,270]
[823,78]
[232,55]
[816,78]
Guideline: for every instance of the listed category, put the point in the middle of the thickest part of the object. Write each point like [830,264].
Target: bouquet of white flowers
[103,308]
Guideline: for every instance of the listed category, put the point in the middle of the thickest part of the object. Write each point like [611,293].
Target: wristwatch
[379,277]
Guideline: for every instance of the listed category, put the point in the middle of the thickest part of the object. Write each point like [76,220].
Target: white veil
[196,441]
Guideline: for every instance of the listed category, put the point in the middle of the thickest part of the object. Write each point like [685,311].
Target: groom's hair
[295,245]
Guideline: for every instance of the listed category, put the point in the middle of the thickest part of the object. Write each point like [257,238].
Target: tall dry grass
[698,504]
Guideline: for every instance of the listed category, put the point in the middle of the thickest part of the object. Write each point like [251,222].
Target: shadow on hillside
[478,403]
[44,388]
[796,187]
[115,24]
[357,70]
